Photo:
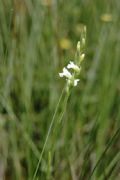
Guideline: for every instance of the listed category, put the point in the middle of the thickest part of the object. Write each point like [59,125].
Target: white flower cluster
[70,76]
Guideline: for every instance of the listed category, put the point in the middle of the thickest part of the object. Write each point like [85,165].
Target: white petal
[66,73]
[65,70]
[76,82]
[71,65]
[61,74]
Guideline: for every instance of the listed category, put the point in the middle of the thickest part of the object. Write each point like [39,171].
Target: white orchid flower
[73,66]
[65,73]
[76,82]
[72,70]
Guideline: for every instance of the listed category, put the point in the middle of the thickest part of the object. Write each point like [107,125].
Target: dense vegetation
[37,39]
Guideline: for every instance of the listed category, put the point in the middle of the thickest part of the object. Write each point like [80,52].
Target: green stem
[47,136]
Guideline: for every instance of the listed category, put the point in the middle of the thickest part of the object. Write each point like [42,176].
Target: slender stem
[64,105]
[47,136]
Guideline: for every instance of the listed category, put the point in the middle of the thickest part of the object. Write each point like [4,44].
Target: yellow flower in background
[106,17]
[65,43]
[46,2]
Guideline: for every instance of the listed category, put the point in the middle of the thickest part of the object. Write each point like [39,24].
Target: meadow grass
[37,39]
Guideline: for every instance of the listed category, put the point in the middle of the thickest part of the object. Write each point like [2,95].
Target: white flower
[70,77]
[76,82]
[65,73]
[71,65]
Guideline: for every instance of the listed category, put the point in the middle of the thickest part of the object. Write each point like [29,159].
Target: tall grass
[36,40]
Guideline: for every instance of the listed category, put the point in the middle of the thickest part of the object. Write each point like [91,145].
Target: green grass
[85,144]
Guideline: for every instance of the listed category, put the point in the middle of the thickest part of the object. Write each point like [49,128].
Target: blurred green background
[37,39]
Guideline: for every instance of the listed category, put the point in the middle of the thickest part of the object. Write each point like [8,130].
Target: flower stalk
[72,71]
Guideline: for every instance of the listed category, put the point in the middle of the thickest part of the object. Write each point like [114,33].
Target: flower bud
[83,41]
[78,46]
[82,57]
